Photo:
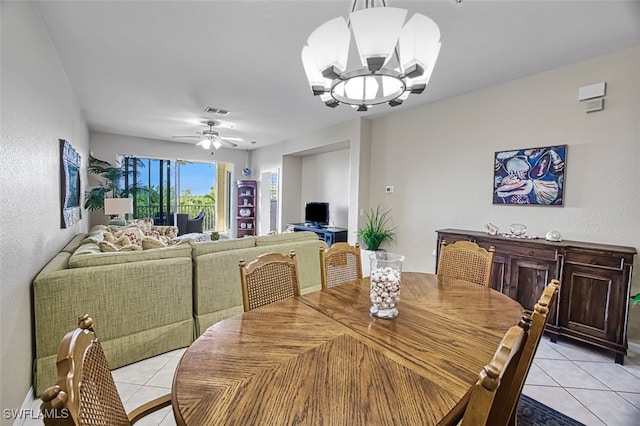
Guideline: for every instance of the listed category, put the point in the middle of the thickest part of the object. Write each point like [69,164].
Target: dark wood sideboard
[595,280]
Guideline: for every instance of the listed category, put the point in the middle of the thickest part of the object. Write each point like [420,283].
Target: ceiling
[149,68]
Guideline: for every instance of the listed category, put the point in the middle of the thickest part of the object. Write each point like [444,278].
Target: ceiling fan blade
[183,137]
[232,139]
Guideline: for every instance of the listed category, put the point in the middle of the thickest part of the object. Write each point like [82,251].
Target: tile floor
[579,381]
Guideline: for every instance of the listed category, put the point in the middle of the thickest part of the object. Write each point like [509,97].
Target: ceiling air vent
[217,111]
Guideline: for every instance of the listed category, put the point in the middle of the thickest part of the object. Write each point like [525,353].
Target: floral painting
[533,176]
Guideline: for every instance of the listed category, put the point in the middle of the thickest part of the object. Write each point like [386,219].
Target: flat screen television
[316,214]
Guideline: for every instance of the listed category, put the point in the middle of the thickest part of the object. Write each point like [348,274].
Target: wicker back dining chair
[465,261]
[85,393]
[494,376]
[499,386]
[271,277]
[339,264]
[509,396]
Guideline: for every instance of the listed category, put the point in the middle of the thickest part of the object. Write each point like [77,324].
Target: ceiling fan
[211,138]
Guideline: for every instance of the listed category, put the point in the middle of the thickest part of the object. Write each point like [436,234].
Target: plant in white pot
[374,233]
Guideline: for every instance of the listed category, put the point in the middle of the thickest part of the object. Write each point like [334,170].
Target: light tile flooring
[579,381]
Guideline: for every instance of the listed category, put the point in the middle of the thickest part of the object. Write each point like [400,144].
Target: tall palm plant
[94,198]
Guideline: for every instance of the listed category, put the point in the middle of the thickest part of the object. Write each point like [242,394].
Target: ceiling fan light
[217,144]
[205,143]
[376,31]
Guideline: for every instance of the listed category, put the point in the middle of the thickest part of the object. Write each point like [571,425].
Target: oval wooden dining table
[322,359]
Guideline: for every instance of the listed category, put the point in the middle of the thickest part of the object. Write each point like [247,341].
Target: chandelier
[396,60]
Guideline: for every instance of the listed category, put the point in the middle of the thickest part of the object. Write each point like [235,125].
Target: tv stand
[313,225]
[329,235]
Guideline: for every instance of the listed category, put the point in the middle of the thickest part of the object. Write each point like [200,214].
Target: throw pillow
[134,234]
[152,243]
[106,246]
[122,240]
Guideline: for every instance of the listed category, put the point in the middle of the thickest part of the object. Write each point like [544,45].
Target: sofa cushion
[222,245]
[74,243]
[87,248]
[86,260]
[289,237]
[58,263]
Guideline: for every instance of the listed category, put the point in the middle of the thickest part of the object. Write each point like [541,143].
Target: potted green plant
[376,229]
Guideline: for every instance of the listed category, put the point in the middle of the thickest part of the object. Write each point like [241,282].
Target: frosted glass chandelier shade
[376,31]
[396,59]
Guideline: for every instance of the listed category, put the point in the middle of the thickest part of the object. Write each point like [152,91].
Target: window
[165,188]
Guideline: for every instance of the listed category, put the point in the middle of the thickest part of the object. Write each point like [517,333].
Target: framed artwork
[532,176]
[69,184]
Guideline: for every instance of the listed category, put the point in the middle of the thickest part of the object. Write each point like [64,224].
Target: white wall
[324,178]
[354,134]
[440,158]
[38,108]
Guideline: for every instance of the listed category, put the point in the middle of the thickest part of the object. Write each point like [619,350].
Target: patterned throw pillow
[134,234]
[164,231]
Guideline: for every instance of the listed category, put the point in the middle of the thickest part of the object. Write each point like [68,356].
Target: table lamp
[117,206]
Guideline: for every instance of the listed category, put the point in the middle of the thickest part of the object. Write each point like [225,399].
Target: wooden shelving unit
[246,208]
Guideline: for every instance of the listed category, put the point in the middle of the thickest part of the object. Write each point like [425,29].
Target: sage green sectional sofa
[217,292]
[148,302]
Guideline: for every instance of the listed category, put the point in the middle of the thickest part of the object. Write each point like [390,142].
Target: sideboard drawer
[533,252]
[592,259]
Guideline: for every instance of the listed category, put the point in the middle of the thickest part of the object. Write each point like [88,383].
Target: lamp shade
[117,206]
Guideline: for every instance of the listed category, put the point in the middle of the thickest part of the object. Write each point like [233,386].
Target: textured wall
[38,108]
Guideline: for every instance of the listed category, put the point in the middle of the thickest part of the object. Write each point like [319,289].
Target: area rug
[534,413]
